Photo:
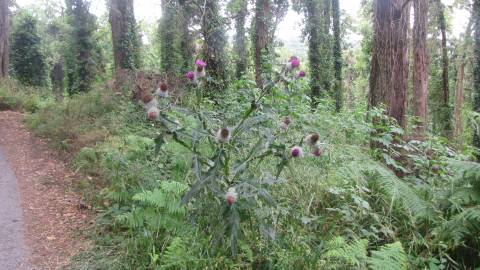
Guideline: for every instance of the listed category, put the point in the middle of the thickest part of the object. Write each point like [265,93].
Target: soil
[55,221]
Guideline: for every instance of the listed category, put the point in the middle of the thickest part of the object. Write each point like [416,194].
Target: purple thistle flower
[301,74]
[190,75]
[200,63]
[295,63]
[297,152]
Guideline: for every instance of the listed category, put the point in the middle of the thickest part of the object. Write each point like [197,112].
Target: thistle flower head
[200,63]
[224,135]
[162,90]
[317,151]
[297,152]
[312,139]
[231,196]
[163,87]
[153,113]
[301,74]
[146,98]
[295,63]
[286,123]
[190,75]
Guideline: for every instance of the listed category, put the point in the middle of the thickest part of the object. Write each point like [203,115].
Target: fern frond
[400,190]
[391,256]
[353,254]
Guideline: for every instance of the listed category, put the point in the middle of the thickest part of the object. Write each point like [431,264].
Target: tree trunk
[313,20]
[420,68]
[240,40]
[124,36]
[215,42]
[337,55]
[326,48]
[443,30]
[476,72]
[445,111]
[4,38]
[261,37]
[459,87]
[57,76]
[389,71]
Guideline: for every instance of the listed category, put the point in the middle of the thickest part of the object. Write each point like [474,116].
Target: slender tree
[445,111]
[261,38]
[28,62]
[313,29]
[4,38]
[337,55]
[213,31]
[476,73]
[326,47]
[389,71]
[126,42]
[420,68]
[79,59]
[459,87]
[57,76]
[240,11]
[174,37]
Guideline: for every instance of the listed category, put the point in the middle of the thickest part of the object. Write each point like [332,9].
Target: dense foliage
[27,59]
[273,160]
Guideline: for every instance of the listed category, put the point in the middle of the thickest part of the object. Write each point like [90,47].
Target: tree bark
[4,38]
[420,68]
[459,87]
[313,20]
[443,31]
[389,71]
[240,39]
[124,36]
[261,37]
[476,73]
[215,42]
[337,55]
[57,76]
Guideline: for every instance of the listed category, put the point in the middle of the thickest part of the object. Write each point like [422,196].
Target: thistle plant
[228,154]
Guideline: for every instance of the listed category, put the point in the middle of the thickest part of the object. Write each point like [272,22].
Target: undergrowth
[406,205]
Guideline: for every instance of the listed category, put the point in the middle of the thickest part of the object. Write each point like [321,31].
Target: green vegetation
[257,163]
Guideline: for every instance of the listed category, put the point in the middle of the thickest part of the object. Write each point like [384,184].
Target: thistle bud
[286,123]
[223,135]
[312,139]
[301,74]
[146,98]
[231,196]
[297,152]
[149,101]
[317,151]
[153,114]
[162,90]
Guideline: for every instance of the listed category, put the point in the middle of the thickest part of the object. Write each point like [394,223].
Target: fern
[177,256]
[391,256]
[397,189]
[460,226]
[339,251]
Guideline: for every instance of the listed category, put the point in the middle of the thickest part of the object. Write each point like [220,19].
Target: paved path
[13,252]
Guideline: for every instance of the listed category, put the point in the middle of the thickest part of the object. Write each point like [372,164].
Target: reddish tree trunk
[4,38]
[420,68]
[460,88]
[443,30]
[389,73]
